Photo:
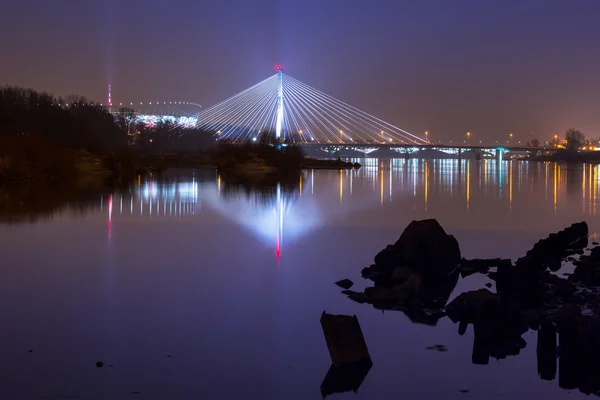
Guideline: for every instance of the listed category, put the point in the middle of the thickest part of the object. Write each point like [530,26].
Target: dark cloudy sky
[447,66]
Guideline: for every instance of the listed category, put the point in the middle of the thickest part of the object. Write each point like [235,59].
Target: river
[191,287]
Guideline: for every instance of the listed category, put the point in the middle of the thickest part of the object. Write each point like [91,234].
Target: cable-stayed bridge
[297,113]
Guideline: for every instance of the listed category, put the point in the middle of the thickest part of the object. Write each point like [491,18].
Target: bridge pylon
[279,123]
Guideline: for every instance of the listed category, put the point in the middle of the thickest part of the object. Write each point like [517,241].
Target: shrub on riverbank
[284,158]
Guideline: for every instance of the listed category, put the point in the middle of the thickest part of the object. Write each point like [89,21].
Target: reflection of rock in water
[345,378]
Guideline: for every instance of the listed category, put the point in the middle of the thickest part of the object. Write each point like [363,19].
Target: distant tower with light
[109,97]
[279,123]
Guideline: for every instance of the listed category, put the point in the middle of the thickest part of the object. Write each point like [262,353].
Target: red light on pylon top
[278,68]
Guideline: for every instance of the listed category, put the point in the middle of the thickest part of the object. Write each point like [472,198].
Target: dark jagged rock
[587,269]
[548,253]
[425,247]
[345,283]
[344,338]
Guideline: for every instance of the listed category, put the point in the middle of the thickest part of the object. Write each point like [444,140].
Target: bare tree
[125,119]
[575,139]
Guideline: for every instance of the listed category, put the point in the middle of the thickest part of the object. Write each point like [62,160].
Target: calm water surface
[187,287]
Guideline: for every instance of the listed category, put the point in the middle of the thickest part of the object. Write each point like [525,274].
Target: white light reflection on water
[462,194]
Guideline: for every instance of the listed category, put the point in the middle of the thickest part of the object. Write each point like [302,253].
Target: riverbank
[569,157]
[313,163]
[248,159]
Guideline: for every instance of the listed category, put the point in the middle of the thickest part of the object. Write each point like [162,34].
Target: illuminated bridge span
[297,113]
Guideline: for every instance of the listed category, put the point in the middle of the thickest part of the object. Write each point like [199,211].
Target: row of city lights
[468,135]
[141,104]
[158,103]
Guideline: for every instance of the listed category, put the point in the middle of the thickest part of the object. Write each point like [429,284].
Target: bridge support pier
[407,155]
[498,155]
[459,153]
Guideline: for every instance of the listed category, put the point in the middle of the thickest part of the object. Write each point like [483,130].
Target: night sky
[489,67]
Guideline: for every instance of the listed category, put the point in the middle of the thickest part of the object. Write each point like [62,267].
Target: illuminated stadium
[151,113]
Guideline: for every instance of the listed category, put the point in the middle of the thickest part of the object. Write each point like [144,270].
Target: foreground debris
[417,274]
[344,338]
[350,357]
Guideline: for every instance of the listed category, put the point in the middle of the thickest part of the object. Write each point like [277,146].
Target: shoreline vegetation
[47,138]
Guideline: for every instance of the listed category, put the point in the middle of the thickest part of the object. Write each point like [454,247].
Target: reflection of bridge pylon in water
[260,209]
[280,212]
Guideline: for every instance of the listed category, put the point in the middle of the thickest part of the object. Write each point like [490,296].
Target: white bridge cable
[231,114]
[349,119]
[340,120]
[320,118]
[374,121]
[245,116]
[260,124]
[309,116]
[360,112]
[251,125]
[251,119]
[321,122]
[223,111]
[303,113]
[216,107]
[238,111]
